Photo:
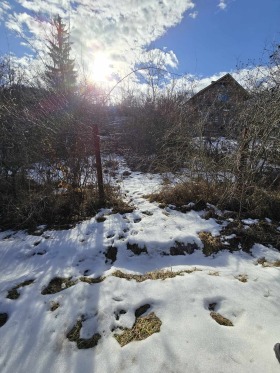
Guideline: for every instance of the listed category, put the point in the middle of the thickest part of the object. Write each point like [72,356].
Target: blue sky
[217,40]
[199,37]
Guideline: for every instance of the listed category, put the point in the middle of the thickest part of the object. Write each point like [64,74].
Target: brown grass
[211,245]
[90,280]
[267,263]
[242,278]
[183,193]
[254,202]
[213,273]
[155,275]
[143,328]
[220,319]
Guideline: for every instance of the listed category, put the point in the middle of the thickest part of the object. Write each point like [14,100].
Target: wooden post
[243,156]
[96,143]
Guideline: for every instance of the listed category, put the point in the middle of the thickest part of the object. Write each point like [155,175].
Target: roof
[226,78]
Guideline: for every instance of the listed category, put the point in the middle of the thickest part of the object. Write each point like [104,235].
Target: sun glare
[101,68]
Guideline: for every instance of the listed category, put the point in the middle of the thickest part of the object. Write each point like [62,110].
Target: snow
[34,338]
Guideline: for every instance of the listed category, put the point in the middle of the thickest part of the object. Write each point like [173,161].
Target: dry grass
[90,280]
[211,245]
[242,278]
[143,328]
[155,275]
[183,193]
[213,273]
[220,319]
[254,202]
[267,263]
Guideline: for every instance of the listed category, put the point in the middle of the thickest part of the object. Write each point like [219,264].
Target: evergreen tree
[61,75]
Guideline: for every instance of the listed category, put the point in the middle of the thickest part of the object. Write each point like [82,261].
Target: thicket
[240,173]
[47,147]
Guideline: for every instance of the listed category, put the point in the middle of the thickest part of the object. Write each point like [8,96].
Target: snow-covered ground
[34,338]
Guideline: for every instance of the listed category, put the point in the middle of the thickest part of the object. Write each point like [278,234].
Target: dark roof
[226,78]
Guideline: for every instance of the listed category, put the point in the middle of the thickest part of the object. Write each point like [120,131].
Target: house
[211,111]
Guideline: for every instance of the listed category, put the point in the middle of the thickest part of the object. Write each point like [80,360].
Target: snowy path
[190,340]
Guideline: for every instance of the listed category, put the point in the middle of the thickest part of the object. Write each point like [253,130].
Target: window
[223,97]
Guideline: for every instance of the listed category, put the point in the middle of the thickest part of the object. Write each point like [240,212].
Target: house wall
[211,111]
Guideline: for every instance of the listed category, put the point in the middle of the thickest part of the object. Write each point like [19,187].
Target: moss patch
[156,275]
[143,328]
[13,293]
[58,284]
[220,319]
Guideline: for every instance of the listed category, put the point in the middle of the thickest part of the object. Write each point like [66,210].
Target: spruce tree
[60,75]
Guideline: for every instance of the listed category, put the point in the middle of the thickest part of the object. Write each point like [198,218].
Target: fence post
[96,143]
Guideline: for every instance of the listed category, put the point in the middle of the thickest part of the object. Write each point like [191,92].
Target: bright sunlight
[101,68]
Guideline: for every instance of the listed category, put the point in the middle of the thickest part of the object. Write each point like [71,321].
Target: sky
[201,38]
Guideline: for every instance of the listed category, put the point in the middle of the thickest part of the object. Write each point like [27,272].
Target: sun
[101,68]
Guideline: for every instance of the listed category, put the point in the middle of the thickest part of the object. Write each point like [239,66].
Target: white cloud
[120,30]
[222,4]
[4,8]
[194,14]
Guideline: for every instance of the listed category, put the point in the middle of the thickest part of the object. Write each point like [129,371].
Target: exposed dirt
[137,250]
[13,293]
[82,343]
[183,249]
[58,284]
[54,306]
[111,254]
[141,310]
[119,313]
[3,319]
